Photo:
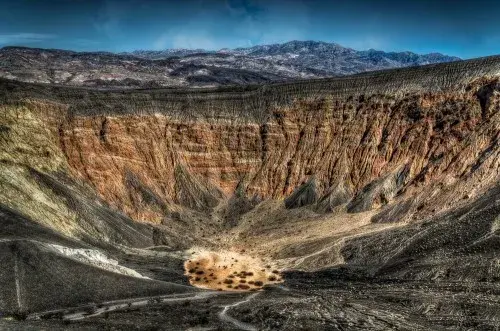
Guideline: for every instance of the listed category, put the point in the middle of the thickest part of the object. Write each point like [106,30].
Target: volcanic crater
[369,201]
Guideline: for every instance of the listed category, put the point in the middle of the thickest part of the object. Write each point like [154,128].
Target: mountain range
[201,68]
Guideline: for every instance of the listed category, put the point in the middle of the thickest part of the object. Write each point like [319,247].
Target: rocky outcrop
[303,195]
[380,191]
[336,196]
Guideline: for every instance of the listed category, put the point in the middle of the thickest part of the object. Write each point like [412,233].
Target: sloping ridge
[254,101]
[36,277]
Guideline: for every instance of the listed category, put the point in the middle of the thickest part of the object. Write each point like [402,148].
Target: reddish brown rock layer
[354,141]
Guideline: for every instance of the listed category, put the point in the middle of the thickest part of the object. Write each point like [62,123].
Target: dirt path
[91,311]
[79,313]
[223,316]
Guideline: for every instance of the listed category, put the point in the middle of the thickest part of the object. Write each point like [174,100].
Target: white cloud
[161,43]
[109,27]
[186,39]
[251,22]
[181,40]
[85,43]
[193,41]
[24,37]
[365,43]
[196,40]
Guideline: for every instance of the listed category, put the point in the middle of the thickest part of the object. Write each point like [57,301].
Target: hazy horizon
[214,50]
[458,28]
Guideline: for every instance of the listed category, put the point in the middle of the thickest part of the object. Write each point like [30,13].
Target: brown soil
[229,271]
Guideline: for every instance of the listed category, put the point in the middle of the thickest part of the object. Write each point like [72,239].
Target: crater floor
[229,271]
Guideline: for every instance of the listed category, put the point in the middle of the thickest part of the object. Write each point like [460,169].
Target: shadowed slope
[36,278]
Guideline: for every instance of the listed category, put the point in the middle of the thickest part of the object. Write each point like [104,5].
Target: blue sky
[461,28]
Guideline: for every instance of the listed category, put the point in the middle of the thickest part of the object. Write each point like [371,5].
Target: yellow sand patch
[229,271]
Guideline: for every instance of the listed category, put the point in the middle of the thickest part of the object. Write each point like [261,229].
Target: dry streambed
[229,271]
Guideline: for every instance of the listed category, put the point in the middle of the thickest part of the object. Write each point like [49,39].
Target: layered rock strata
[376,136]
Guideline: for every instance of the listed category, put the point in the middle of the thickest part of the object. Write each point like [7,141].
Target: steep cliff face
[416,140]
[403,144]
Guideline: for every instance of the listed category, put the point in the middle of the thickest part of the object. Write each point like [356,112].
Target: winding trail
[223,316]
[82,312]
[92,310]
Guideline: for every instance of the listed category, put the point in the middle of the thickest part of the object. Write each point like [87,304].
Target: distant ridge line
[253,102]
